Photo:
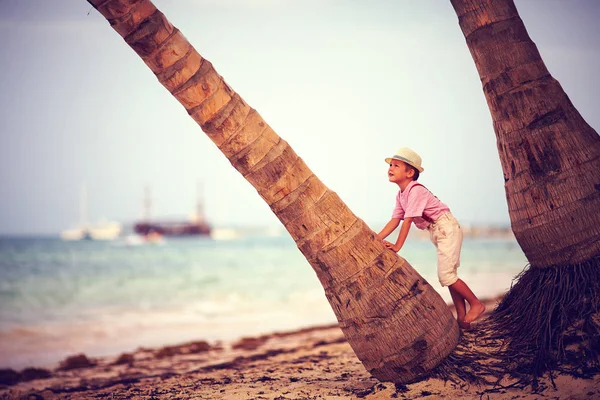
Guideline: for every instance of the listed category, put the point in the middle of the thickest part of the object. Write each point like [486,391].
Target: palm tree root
[548,322]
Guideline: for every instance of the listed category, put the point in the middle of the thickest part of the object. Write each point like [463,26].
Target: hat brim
[389,160]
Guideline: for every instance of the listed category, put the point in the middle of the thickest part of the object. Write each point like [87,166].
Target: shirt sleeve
[416,202]
[398,210]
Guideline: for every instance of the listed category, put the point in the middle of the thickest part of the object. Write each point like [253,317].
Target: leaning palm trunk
[398,326]
[551,162]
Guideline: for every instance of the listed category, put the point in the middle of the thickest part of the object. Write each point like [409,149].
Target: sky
[345,82]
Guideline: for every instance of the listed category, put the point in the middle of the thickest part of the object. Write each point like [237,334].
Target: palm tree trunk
[398,326]
[551,162]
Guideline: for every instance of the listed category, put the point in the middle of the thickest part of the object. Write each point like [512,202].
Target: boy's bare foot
[464,325]
[475,312]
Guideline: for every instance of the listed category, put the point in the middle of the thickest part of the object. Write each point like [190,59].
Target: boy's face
[399,172]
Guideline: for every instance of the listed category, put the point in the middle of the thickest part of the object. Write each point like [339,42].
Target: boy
[415,204]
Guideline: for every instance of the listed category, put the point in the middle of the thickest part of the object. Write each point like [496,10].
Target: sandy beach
[310,363]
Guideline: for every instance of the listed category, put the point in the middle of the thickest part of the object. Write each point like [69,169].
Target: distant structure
[195,226]
[103,230]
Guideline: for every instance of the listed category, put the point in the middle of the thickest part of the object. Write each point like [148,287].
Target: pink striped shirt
[418,202]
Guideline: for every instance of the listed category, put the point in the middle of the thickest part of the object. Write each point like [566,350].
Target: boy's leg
[476,307]
[461,308]
[447,236]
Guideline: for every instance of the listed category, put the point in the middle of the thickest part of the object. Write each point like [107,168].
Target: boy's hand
[390,246]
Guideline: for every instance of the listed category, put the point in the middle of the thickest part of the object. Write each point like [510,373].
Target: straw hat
[408,156]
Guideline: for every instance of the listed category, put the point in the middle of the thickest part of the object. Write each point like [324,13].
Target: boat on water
[194,226]
[172,228]
[103,230]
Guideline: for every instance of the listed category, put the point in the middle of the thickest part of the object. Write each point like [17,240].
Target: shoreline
[313,362]
[45,346]
[217,343]
[113,300]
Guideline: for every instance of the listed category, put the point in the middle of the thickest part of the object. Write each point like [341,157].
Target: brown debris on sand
[249,343]
[75,362]
[125,358]
[11,377]
[186,348]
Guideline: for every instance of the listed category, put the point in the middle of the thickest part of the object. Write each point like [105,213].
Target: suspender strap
[426,218]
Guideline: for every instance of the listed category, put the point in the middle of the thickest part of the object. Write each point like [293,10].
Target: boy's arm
[388,228]
[403,234]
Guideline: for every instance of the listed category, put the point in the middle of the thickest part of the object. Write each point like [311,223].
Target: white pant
[446,235]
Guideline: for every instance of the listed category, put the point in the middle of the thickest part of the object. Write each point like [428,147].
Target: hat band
[395,157]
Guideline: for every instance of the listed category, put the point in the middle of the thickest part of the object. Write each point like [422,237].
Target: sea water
[62,298]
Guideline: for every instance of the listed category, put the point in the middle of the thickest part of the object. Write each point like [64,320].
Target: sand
[311,363]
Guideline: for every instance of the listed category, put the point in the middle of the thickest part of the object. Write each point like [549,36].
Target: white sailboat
[103,230]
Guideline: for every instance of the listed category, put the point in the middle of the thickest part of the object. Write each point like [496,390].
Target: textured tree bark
[550,156]
[551,161]
[397,324]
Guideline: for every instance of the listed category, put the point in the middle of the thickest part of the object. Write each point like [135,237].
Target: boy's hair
[416,171]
